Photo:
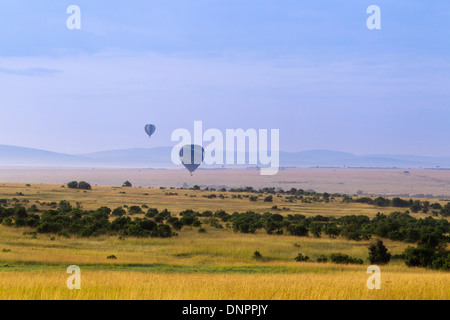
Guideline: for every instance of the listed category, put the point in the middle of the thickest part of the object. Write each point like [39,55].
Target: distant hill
[21,156]
[326,158]
[160,158]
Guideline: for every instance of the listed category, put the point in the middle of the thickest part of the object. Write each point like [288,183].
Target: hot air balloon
[192,156]
[150,129]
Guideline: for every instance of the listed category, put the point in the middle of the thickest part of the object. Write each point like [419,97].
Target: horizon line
[149,148]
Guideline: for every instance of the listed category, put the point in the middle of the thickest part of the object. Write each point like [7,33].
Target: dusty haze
[371,181]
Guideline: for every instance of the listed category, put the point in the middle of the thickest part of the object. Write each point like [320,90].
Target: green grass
[218,264]
[217,248]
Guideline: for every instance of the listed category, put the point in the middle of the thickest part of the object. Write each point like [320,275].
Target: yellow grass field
[218,264]
[397,283]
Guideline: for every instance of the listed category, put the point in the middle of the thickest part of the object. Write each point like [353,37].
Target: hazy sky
[309,68]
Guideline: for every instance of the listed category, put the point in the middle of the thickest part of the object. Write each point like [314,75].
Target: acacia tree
[316,229]
[73,185]
[127,184]
[119,212]
[84,185]
[378,253]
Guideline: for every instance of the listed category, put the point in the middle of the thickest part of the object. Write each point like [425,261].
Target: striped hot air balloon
[150,129]
[192,156]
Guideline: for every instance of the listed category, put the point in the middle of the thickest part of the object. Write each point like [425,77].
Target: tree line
[66,220]
[292,194]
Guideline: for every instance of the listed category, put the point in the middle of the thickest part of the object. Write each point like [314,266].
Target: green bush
[119,212]
[84,185]
[344,259]
[188,220]
[49,227]
[332,230]
[445,211]
[441,263]
[378,253]
[222,215]
[316,229]
[163,231]
[301,258]
[206,213]
[419,257]
[257,255]
[177,225]
[381,202]
[298,230]
[151,213]
[72,185]
[134,210]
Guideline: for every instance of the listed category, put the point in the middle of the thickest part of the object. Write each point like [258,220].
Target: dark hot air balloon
[192,156]
[150,129]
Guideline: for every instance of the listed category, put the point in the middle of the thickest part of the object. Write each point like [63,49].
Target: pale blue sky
[310,68]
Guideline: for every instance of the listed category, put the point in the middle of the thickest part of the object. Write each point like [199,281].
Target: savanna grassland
[216,264]
[340,180]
